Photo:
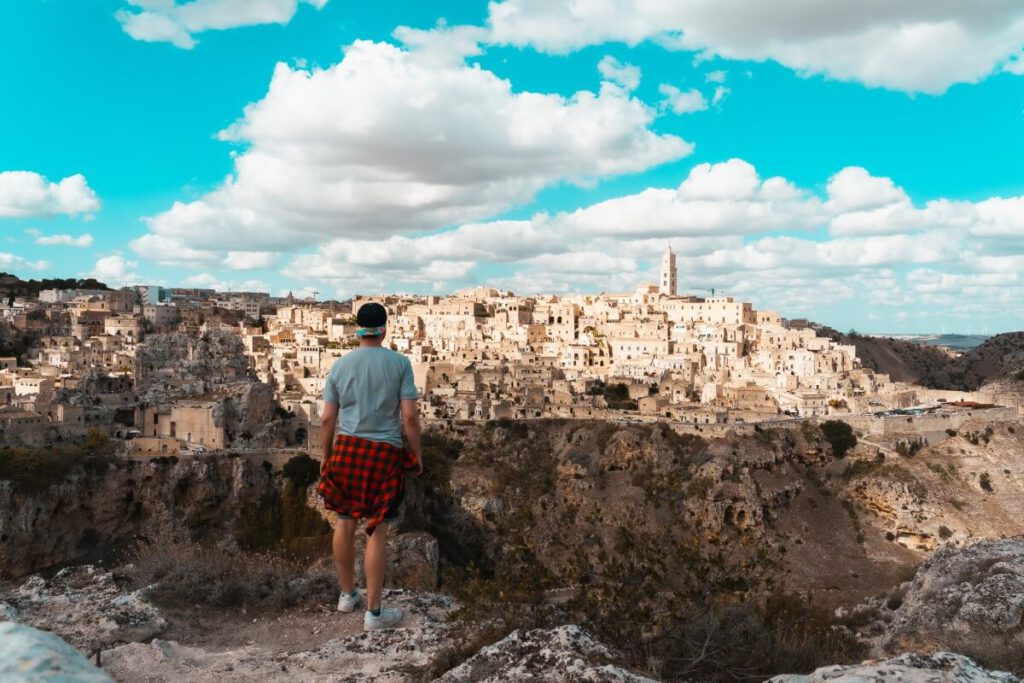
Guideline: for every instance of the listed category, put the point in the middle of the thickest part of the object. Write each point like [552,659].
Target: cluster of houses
[176,369]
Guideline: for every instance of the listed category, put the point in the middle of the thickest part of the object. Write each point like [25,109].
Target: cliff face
[568,501]
[87,514]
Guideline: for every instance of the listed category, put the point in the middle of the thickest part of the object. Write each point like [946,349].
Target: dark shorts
[390,514]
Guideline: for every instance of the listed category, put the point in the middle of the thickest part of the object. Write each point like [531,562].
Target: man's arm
[328,425]
[411,428]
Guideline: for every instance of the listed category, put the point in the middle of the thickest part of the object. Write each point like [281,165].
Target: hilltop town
[173,370]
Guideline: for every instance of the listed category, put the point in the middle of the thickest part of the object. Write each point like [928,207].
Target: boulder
[85,606]
[565,653]
[970,600]
[941,667]
[28,655]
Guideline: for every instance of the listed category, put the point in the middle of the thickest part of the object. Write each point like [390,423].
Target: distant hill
[12,285]
[997,358]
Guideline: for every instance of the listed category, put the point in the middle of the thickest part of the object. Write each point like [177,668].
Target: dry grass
[190,574]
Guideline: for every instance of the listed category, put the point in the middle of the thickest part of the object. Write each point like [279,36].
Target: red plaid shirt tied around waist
[363,477]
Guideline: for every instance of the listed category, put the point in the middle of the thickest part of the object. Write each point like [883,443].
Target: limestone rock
[964,599]
[196,498]
[942,667]
[31,656]
[84,606]
[565,653]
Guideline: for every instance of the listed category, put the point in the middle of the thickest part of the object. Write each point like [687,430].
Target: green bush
[985,482]
[301,471]
[840,435]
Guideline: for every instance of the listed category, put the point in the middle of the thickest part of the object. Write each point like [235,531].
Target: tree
[97,442]
[840,435]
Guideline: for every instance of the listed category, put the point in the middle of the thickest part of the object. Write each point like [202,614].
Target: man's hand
[328,424]
[411,429]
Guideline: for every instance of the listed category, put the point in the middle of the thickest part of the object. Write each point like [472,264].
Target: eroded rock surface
[969,599]
[84,606]
[942,667]
[565,653]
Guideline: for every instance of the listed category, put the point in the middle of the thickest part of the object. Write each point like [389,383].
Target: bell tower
[668,272]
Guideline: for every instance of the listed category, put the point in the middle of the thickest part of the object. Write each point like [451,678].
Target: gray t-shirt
[368,384]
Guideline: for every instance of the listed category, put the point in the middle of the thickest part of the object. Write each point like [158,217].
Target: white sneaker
[389,616]
[347,601]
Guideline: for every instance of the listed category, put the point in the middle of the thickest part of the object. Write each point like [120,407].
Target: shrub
[301,471]
[751,642]
[985,482]
[97,442]
[951,432]
[36,469]
[840,435]
[945,532]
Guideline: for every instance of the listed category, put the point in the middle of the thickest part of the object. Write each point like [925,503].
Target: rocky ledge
[970,601]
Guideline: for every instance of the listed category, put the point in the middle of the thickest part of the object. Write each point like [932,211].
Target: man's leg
[345,554]
[375,563]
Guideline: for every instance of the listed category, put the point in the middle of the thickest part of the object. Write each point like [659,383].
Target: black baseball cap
[372,316]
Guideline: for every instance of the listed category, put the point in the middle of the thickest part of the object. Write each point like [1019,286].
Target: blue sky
[860,168]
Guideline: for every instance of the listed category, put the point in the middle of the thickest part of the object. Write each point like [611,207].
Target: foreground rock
[566,653]
[969,600]
[29,656]
[84,606]
[942,667]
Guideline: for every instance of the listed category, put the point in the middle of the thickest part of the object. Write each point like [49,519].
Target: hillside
[999,357]
[13,286]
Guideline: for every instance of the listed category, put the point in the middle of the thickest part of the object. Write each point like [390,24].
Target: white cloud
[717,76]
[65,240]
[626,75]
[171,21]
[15,262]
[854,189]
[385,142]
[721,92]
[23,193]
[898,44]
[250,260]
[209,281]
[116,271]
[682,102]
[763,239]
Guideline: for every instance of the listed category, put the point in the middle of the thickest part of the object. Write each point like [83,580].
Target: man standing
[369,401]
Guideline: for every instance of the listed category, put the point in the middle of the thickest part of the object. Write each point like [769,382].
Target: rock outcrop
[565,653]
[30,656]
[969,599]
[84,606]
[942,667]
